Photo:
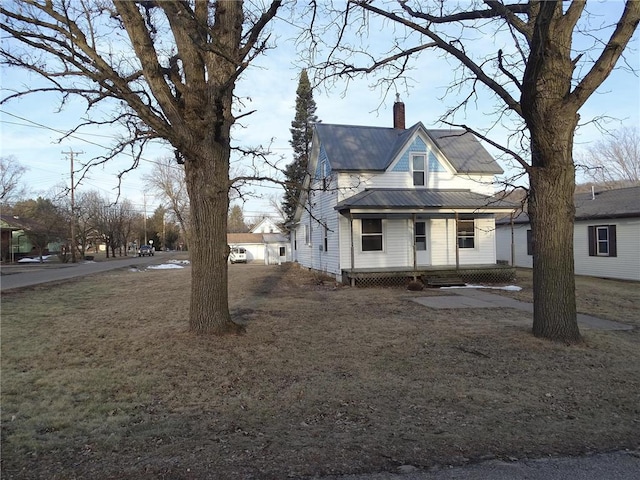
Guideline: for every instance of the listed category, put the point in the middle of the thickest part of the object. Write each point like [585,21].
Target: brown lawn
[101,379]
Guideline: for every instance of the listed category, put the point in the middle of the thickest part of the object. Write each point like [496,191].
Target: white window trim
[475,234]
[425,157]
[383,225]
[600,253]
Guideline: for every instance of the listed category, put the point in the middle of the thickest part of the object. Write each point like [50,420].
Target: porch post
[457,243]
[513,244]
[352,251]
[415,253]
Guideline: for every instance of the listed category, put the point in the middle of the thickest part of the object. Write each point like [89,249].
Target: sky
[31,128]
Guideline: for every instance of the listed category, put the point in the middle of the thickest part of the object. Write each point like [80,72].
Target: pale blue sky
[30,127]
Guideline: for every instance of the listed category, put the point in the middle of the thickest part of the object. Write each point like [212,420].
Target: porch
[430,276]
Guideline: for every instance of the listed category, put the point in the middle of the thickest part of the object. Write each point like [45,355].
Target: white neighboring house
[265,243]
[266,225]
[606,237]
[382,200]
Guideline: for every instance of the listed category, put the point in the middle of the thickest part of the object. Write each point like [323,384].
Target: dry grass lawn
[101,379]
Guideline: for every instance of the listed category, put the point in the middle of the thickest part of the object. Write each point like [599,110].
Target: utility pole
[70,154]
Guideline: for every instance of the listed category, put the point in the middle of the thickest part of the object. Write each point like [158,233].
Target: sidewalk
[477,298]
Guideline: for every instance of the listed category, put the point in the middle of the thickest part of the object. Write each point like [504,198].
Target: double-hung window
[419,169]
[602,241]
[466,233]
[421,236]
[371,234]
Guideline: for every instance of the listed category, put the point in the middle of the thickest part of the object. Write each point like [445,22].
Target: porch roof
[423,199]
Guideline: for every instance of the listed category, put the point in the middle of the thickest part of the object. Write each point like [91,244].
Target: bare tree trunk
[552,213]
[552,219]
[207,182]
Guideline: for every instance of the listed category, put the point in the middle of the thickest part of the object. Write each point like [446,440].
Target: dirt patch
[101,379]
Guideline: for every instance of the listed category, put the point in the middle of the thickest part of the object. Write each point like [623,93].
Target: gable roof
[420,199]
[616,203]
[361,148]
[236,238]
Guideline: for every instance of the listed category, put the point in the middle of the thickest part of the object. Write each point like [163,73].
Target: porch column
[415,253]
[513,244]
[353,282]
[455,238]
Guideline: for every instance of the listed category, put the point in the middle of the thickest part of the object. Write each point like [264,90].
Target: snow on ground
[512,288]
[165,266]
[45,258]
[180,262]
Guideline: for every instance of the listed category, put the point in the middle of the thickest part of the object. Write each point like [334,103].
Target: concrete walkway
[478,298]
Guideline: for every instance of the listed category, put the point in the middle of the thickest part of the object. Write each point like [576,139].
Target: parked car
[146,250]
[238,255]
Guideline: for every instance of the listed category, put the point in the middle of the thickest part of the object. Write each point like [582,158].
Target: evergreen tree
[301,135]
[235,221]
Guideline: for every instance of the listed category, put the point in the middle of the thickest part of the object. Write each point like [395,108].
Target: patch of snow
[510,288]
[45,258]
[179,262]
[164,266]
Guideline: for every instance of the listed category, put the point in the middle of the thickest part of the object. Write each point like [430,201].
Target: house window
[307,238]
[602,241]
[418,165]
[466,233]
[421,236]
[325,175]
[326,238]
[283,251]
[371,234]
[529,242]
[295,239]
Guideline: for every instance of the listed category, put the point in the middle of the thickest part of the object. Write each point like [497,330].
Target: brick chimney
[398,113]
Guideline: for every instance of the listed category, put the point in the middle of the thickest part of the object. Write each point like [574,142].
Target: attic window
[418,167]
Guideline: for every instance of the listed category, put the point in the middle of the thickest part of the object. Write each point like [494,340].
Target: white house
[265,243]
[266,225]
[388,200]
[606,237]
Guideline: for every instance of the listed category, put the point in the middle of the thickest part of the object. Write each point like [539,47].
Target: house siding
[321,204]
[624,266]
[444,238]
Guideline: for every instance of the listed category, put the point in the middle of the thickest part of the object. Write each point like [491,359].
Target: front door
[421,243]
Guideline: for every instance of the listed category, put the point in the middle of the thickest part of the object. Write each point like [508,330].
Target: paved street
[28,274]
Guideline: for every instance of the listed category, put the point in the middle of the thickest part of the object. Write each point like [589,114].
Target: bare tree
[167,181]
[540,82]
[614,160]
[11,173]
[178,86]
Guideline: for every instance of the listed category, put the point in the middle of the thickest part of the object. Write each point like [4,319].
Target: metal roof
[360,148]
[617,203]
[407,199]
[622,202]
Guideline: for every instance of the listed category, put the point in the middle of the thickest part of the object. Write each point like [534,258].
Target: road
[29,274]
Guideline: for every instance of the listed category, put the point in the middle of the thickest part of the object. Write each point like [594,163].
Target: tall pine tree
[301,135]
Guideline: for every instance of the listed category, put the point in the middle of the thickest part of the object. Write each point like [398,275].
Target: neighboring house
[606,237]
[270,248]
[266,225]
[396,202]
[15,243]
